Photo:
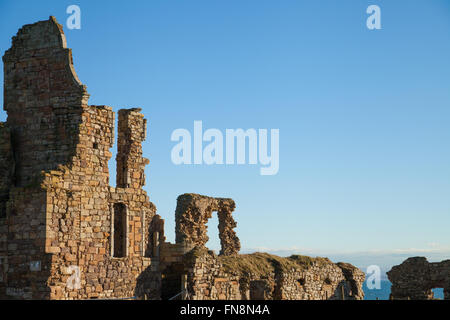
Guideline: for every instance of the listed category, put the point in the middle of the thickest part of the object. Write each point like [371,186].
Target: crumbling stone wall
[60,211]
[315,279]
[65,233]
[322,282]
[416,277]
[192,214]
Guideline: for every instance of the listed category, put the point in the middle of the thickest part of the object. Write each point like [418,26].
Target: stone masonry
[415,278]
[261,276]
[65,233]
[192,214]
[60,218]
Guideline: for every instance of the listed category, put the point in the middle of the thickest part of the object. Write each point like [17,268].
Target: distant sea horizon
[384,292]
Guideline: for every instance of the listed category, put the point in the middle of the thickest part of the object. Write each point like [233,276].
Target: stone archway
[192,214]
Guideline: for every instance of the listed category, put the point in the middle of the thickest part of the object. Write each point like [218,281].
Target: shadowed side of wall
[43,99]
[67,233]
[191,217]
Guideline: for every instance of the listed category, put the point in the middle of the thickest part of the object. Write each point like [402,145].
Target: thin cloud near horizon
[295,250]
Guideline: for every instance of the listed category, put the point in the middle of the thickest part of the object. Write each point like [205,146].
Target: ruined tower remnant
[416,277]
[130,163]
[59,218]
[192,214]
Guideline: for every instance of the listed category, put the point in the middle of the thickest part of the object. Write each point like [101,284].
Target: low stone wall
[296,278]
[415,278]
[324,281]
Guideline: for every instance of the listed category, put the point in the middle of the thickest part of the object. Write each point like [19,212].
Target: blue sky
[363,115]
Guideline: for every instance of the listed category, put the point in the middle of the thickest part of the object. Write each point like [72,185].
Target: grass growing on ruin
[263,264]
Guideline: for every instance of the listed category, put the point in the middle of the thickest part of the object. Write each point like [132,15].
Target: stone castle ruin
[65,233]
[415,278]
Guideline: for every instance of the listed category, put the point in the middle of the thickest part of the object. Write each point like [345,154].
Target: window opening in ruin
[327,281]
[112,162]
[95,145]
[213,233]
[438,293]
[120,230]
[301,281]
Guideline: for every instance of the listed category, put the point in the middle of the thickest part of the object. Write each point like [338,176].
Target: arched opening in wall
[119,232]
[213,233]
[438,293]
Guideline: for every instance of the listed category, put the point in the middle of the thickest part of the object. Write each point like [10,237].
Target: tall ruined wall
[43,98]
[262,276]
[416,277]
[81,210]
[62,223]
[206,279]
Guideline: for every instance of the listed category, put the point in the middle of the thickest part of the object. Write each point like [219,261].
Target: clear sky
[363,114]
